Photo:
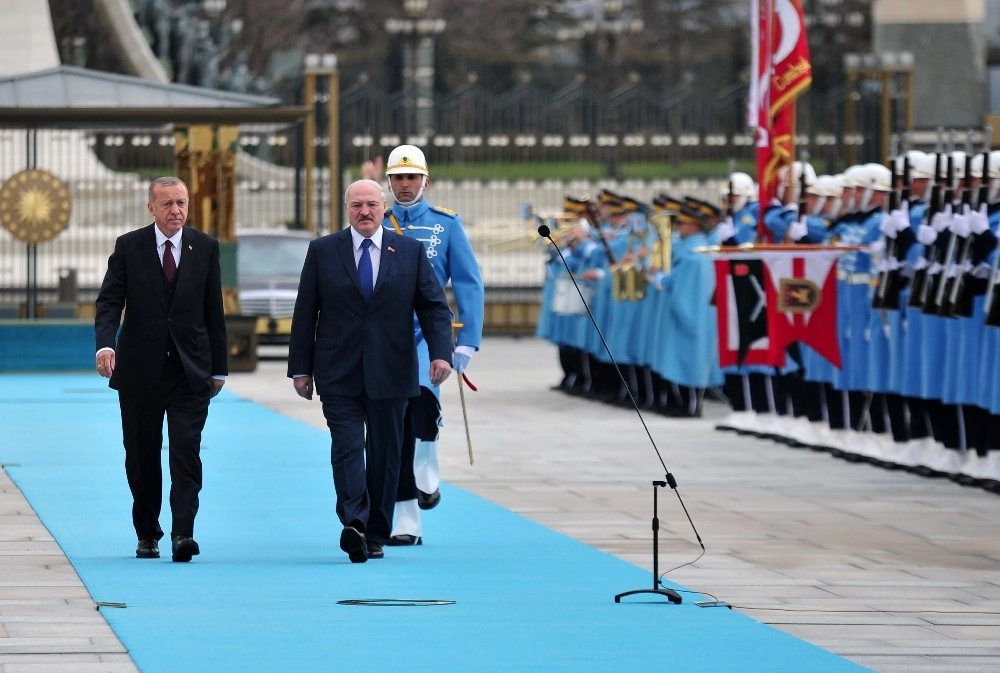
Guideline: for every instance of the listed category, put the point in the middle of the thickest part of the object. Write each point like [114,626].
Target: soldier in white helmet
[454,262]
[740,198]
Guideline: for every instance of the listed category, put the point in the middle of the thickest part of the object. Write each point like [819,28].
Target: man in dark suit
[168,357]
[352,337]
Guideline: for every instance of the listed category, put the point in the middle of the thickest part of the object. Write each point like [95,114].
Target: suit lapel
[345,247]
[187,255]
[388,260]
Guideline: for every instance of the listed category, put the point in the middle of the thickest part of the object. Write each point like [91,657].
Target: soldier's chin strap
[420,194]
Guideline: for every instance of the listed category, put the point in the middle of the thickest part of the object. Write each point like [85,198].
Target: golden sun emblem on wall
[34,206]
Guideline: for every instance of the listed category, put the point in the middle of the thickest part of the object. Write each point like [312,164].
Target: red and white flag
[802,302]
[766,301]
[784,72]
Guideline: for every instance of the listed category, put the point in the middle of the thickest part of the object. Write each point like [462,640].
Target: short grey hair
[166,181]
[378,185]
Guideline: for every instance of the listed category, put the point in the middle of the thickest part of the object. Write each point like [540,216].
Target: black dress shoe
[405,540]
[353,542]
[184,548]
[147,549]
[428,500]
[375,550]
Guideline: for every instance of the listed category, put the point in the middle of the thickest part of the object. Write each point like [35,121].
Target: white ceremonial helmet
[877,177]
[995,164]
[852,176]
[921,164]
[407,160]
[798,169]
[825,187]
[744,189]
[977,165]
[871,178]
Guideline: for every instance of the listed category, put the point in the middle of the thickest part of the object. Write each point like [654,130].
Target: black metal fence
[490,154]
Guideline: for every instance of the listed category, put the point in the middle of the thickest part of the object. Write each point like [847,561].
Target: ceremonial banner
[784,72]
[741,303]
[771,299]
[802,302]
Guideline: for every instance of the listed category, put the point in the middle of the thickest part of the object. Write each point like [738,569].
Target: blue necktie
[365,269]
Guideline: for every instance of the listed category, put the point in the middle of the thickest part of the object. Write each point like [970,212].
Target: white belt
[854,278]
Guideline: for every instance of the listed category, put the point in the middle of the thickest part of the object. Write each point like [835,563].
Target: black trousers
[142,433]
[365,472]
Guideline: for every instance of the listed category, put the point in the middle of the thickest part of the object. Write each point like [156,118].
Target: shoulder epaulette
[444,211]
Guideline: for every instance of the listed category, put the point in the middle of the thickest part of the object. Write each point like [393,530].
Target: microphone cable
[546,233]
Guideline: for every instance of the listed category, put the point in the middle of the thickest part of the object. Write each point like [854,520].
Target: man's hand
[440,370]
[373,169]
[217,386]
[106,363]
[303,386]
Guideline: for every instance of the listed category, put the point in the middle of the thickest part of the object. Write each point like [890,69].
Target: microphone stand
[672,595]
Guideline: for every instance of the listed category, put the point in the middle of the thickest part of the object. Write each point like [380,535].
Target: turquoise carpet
[264,594]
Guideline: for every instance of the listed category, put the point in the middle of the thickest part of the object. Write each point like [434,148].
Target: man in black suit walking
[168,358]
[352,338]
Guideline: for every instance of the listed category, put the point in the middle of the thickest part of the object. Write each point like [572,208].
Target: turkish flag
[783,72]
[801,293]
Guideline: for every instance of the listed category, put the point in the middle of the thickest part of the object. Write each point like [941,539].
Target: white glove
[902,219]
[960,223]
[798,229]
[978,221]
[791,208]
[462,356]
[982,270]
[876,247]
[726,229]
[888,225]
[927,234]
[942,219]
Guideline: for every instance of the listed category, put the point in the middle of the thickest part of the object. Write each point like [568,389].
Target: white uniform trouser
[406,520]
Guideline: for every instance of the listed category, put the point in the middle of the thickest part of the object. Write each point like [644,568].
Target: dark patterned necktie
[365,269]
[169,264]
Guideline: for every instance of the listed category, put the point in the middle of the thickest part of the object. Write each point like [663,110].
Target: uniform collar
[410,213]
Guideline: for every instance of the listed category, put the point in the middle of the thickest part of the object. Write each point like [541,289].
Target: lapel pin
[190,247]
[390,248]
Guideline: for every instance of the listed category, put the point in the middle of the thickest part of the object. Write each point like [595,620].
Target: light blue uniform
[450,253]
[688,354]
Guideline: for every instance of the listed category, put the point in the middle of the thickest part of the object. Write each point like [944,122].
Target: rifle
[920,284]
[889,285]
[962,291]
[953,268]
[802,191]
[729,201]
[992,303]
[936,283]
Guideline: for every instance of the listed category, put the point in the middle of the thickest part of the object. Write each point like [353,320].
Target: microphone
[545,232]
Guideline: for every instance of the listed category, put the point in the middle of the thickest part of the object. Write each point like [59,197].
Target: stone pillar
[949,50]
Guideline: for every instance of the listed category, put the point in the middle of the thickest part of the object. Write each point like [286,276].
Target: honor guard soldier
[740,198]
[450,254]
